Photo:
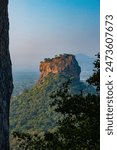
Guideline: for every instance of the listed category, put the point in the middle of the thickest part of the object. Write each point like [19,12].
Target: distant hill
[86,64]
[30,111]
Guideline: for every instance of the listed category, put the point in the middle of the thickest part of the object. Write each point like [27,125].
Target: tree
[80,128]
[95,78]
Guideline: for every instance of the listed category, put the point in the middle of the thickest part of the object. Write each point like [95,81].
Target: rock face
[64,64]
[6,85]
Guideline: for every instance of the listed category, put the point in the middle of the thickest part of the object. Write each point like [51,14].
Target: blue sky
[44,28]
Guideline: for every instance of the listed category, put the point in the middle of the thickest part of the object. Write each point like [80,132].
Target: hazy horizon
[44,28]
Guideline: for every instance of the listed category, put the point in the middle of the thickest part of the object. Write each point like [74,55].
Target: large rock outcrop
[6,85]
[65,64]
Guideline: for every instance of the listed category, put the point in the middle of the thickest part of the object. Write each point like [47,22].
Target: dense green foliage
[95,78]
[30,111]
[79,126]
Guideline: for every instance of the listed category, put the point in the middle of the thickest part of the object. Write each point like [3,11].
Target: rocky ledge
[65,64]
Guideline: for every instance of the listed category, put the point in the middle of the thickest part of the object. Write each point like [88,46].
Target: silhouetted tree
[95,78]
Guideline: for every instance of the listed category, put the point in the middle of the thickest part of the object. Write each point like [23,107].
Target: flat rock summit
[65,65]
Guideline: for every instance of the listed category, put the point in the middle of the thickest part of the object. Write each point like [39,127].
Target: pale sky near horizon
[44,28]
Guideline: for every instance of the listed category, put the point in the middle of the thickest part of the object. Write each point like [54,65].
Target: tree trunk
[6,85]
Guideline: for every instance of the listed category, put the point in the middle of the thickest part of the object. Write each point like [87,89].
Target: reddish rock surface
[65,64]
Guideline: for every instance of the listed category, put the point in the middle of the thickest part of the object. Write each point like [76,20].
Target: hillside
[31,111]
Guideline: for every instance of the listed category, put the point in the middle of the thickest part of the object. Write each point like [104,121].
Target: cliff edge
[6,85]
[65,64]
